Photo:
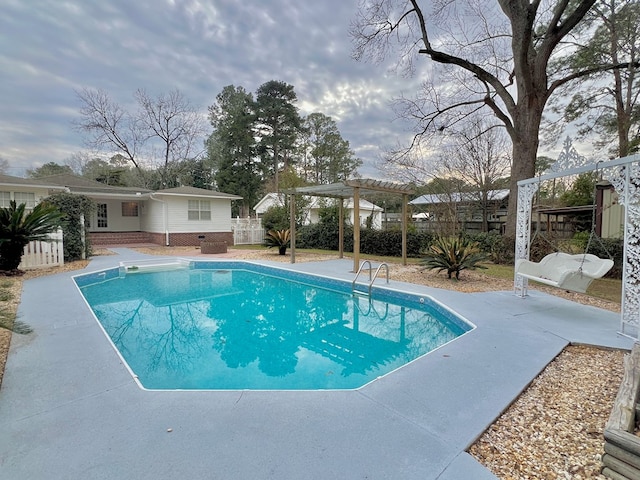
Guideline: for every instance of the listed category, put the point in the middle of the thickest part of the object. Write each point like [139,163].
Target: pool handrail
[371,280]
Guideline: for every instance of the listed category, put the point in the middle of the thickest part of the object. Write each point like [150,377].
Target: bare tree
[108,126]
[172,126]
[493,55]
[4,165]
[479,156]
[161,131]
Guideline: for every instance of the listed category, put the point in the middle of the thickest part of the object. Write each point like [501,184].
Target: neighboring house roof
[268,201]
[364,205]
[196,192]
[456,197]
[273,199]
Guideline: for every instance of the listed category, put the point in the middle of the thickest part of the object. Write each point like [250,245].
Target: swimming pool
[239,325]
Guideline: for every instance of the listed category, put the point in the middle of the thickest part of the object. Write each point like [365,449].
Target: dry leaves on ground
[554,429]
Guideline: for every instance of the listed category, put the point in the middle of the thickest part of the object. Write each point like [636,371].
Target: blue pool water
[234,325]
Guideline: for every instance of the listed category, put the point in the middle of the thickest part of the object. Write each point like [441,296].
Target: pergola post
[292,226]
[341,229]
[356,229]
[405,200]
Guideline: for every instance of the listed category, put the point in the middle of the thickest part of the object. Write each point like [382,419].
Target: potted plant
[278,238]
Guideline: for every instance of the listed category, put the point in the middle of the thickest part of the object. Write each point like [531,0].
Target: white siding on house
[38,194]
[153,216]
[179,220]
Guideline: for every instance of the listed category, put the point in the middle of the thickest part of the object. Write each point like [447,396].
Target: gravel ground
[552,431]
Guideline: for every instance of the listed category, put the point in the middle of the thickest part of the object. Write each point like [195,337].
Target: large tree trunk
[525,150]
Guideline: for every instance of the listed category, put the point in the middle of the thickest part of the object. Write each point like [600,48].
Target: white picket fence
[43,253]
[247,231]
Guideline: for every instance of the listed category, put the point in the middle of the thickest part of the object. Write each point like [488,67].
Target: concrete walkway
[69,408]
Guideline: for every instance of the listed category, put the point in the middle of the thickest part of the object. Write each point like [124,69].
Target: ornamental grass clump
[278,238]
[453,255]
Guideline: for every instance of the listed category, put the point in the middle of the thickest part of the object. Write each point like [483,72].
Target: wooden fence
[43,253]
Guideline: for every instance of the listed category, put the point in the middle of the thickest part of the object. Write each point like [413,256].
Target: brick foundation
[100,239]
[191,239]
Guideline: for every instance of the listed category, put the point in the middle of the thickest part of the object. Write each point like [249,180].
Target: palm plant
[18,228]
[278,238]
[454,255]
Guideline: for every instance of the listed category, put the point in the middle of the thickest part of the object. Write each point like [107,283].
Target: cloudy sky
[49,50]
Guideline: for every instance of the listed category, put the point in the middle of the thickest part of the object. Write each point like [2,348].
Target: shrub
[276,218]
[499,248]
[454,255]
[74,207]
[325,236]
[18,227]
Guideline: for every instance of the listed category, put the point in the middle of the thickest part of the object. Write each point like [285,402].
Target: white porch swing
[567,271]
[576,272]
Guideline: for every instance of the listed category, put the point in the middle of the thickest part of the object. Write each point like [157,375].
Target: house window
[102,215]
[27,198]
[5,199]
[199,210]
[129,209]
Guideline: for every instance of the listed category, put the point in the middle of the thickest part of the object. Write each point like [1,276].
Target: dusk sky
[48,50]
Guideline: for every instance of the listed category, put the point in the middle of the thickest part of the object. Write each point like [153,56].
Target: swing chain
[593,233]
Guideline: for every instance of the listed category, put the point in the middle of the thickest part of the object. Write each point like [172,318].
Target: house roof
[31,182]
[82,185]
[457,197]
[345,189]
[77,184]
[565,210]
[196,192]
[271,199]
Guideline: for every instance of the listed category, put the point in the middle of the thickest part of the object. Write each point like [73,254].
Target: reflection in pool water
[232,328]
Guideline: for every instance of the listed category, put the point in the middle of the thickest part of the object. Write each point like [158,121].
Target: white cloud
[49,50]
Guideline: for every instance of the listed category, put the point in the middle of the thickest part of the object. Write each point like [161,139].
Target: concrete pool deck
[70,409]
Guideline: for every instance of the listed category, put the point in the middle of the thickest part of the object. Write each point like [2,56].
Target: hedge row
[376,242]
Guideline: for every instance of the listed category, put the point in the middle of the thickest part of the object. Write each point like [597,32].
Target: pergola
[348,189]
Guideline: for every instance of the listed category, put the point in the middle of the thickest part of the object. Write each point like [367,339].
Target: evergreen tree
[231,148]
[327,156]
[278,125]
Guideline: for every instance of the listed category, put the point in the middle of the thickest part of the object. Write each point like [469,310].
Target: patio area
[70,408]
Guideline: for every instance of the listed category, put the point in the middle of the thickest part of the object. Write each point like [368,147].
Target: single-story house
[181,216]
[367,209]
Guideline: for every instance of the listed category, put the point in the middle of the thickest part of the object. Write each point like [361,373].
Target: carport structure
[351,189]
